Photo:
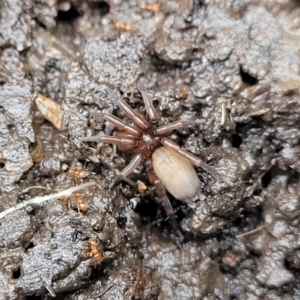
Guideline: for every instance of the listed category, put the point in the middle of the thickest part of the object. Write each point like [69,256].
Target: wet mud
[231,66]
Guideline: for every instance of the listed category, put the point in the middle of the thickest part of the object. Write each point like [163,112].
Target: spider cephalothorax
[167,165]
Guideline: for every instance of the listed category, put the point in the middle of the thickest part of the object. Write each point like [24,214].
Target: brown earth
[196,58]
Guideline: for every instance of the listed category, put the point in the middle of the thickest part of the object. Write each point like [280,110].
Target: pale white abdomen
[175,173]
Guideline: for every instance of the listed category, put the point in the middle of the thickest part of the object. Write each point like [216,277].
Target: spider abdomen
[176,174]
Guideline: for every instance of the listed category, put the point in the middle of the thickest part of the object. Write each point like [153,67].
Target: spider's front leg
[168,128]
[127,170]
[163,198]
[148,105]
[134,115]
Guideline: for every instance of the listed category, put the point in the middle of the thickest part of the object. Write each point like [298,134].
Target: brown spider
[168,166]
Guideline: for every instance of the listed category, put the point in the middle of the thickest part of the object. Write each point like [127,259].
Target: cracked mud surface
[232,66]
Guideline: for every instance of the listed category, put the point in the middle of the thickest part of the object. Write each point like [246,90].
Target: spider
[168,166]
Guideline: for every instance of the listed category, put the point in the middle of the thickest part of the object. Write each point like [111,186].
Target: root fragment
[40,199]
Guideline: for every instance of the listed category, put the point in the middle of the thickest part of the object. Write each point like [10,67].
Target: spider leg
[165,202]
[148,105]
[120,125]
[136,117]
[168,128]
[128,169]
[194,160]
[126,143]
[163,198]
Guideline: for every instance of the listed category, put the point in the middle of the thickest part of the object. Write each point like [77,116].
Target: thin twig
[223,113]
[37,200]
[33,187]
[250,232]
[102,293]
[48,288]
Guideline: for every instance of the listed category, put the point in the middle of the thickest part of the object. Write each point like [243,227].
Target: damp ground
[231,66]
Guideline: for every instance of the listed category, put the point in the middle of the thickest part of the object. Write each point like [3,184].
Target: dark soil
[231,65]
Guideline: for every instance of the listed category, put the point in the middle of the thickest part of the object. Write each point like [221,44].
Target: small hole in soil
[266,179]
[257,192]
[121,221]
[155,103]
[254,253]
[147,209]
[199,3]
[2,164]
[69,15]
[30,245]
[11,126]
[17,273]
[2,79]
[103,7]
[247,78]
[236,140]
